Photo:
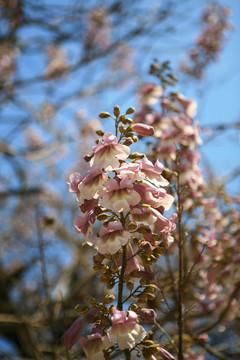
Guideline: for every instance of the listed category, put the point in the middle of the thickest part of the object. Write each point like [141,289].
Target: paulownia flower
[130,170]
[111,238]
[108,152]
[94,344]
[141,216]
[91,183]
[83,224]
[119,194]
[125,330]
[132,262]
[74,180]
[153,172]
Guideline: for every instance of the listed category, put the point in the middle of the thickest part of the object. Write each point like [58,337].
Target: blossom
[72,334]
[83,224]
[150,93]
[111,238]
[125,330]
[141,216]
[153,195]
[74,180]
[119,194]
[108,152]
[132,262]
[130,170]
[94,344]
[91,183]
[153,172]
[164,225]
[143,129]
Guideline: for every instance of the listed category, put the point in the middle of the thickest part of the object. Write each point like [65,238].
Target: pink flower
[189,105]
[153,172]
[130,170]
[132,262]
[143,129]
[108,152]
[94,344]
[111,238]
[83,224]
[153,195]
[72,334]
[141,216]
[164,225]
[91,183]
[150,93]
[74,180]
[148,315]
[125,330]
[119,195]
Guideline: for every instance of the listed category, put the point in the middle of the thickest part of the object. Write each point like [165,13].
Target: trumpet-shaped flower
[153,172]
[83,224]
[119,194]
[74,180]
[132,262]
[94,344]
[91,183]
[130,170]
[125,330]
[141,216]
[111,238]
[108,152]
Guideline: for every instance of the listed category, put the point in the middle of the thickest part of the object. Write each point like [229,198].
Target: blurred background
[61,63]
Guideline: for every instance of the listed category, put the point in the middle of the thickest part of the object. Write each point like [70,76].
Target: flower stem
[180,279]
[120,284]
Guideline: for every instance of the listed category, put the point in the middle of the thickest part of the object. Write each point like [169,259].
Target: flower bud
[130,110]
[104,115]
[109,299]
[165,354]
[100,132]
[143,129]
[116,111]
[91,315]
[72,334]
[148,315]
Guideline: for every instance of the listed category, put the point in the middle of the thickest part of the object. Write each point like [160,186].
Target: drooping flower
[83,224]
[119,195]
[91,183]
[141,216]
[153,172]
[94,344]
[132,262]
[108,152]
[125,330]
[71,336]
[74,180]
[112,238]
[130,170]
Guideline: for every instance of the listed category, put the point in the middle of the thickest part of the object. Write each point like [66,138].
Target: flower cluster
[209,42]
[125,194]
[178,137]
